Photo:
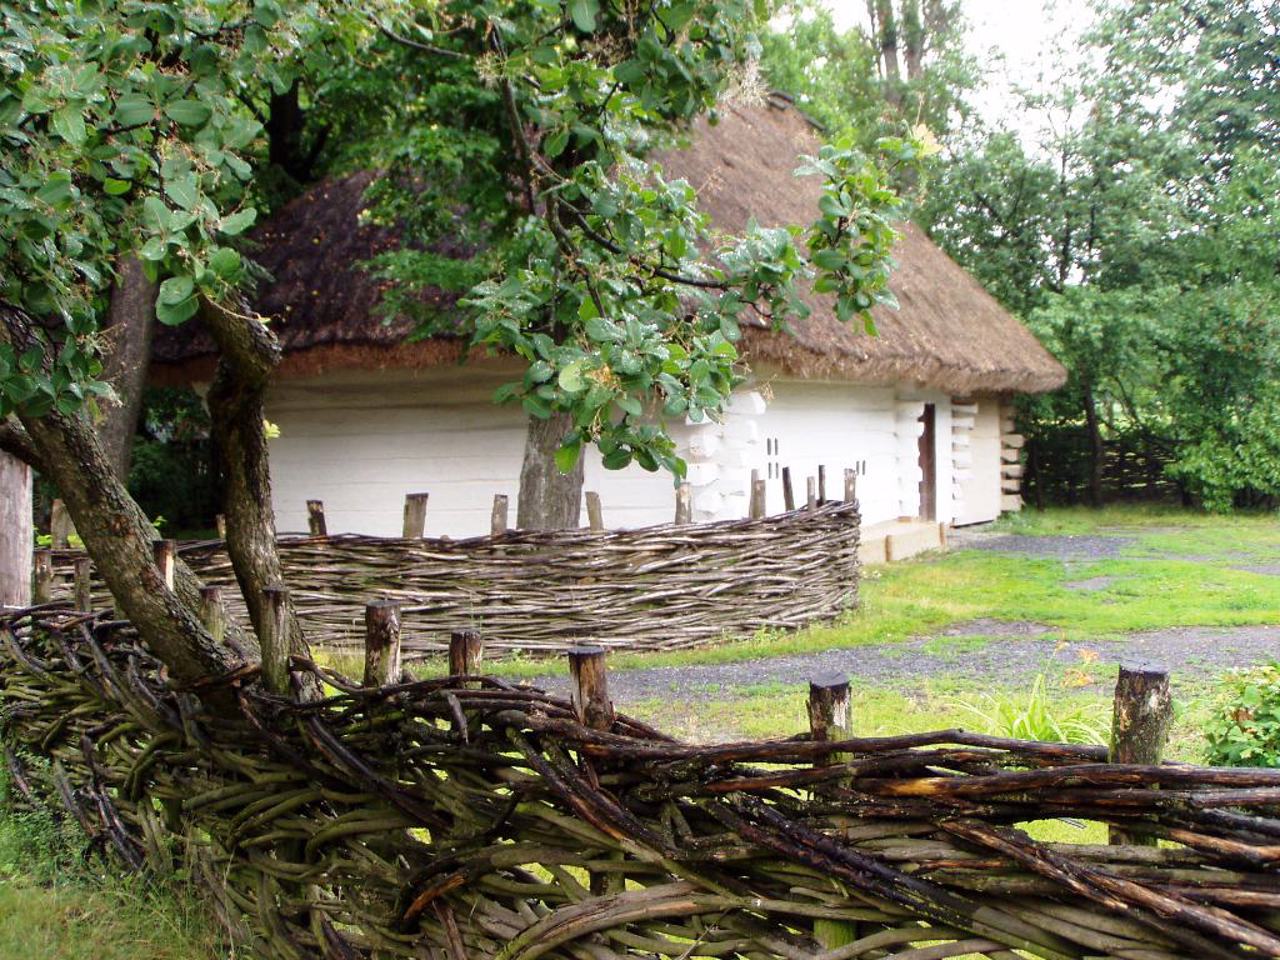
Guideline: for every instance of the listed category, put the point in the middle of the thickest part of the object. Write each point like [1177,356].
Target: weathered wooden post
[60,526]
[811,494]
[758,508]
[466,650]
[1142,713]
[830,719]
[590,687]
[273,638]
[220,522]
[850,485]
[684,503]
[381,643]
[84,587]
[788,495]
[822,483]
[498,520]
[17,575]
[212,613]
[315,518]
[415,516]
[42,577]
[166,555]
[595,514]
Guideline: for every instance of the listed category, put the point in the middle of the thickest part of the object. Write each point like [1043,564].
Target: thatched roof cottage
[366,417]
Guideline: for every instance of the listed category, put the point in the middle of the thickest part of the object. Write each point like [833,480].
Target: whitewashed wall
[360,441]
[979,491]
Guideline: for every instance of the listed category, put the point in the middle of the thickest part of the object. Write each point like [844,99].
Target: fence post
[757,496]
[811,494]
[273,638]
[591,687]
[822,483]
[315,518]
[212,614]
[498,521]
[415,516]
[166,554]
[381,643]
[1143,710]
[466,650]
[684,503]
[850,485]
[829,719]
[42,577]
[788,495]
[595,515]
[220,523]
[84,592]
[60,526]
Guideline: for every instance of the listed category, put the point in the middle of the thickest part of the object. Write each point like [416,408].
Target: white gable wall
[361,440]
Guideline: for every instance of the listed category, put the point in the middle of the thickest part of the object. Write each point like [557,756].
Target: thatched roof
[949,333]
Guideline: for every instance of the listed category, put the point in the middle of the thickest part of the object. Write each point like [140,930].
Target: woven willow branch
[664,587]
[466,818]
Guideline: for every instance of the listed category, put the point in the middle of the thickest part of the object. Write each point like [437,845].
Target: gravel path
[1016,655]
[1002,652]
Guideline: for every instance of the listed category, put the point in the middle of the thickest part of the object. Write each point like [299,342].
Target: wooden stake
[822,483]
[273,639]
[466,650]
[166,554]
[1142,714]
[684,503]
[595,514]
[212,614]
[381,643]
[42,577]
[811,494]
[220,521]
[591,687]
[498,525]
[850,485]
[84,586]
[415,516]
[829,719]
[788,495]
[315,518]
[60,525]
[757,496]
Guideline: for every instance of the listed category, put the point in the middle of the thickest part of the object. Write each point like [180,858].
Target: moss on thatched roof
[949,333]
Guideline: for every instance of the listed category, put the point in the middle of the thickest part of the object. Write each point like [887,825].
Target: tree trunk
[1095,446]
[885,28]
[236,398]
[549,499]
[916,37]
[129,331]
[15,532]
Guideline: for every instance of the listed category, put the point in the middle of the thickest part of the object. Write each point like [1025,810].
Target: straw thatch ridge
[949,334]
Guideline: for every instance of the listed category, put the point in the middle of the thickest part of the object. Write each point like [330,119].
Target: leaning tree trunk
[15,532]
[236,401]
[549,499]
[129,332]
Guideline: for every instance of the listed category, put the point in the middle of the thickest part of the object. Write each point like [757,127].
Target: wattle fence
[463,818]
[655,588]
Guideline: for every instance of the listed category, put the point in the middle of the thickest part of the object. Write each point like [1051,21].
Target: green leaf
[570,379]
[184,191]
[175,290]
[189,113]
[225,262]
[115,188]
[584,13]
[134,111]
[238,222]
[172,314]
[554,144]
[567,456]
[68,123]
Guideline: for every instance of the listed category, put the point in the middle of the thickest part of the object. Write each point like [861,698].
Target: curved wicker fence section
[654,588]
[465,818]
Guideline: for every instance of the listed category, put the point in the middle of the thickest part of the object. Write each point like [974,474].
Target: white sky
[1023,42]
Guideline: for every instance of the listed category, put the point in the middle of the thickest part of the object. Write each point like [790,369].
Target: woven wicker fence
[655,588]
[466,818]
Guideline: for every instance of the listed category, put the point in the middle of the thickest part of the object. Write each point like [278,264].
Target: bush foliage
[1244,728]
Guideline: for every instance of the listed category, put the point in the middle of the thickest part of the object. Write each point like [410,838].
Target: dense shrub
[1244,729]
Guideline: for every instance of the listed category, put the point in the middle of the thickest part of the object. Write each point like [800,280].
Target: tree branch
[15,442]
